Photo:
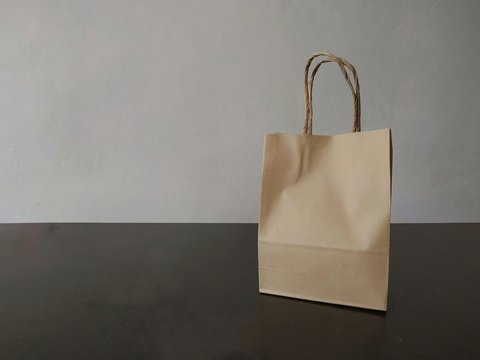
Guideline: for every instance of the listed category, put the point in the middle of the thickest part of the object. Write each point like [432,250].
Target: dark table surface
[189,291]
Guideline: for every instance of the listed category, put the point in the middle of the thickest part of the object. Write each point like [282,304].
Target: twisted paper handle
[343,65]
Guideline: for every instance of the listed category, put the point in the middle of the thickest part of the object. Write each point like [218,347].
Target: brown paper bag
[324,227]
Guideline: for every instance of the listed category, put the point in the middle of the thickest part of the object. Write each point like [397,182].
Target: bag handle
[343,65]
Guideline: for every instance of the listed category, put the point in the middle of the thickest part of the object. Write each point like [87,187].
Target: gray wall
[156,110]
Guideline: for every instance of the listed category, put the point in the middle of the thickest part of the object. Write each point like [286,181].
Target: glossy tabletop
[190,291]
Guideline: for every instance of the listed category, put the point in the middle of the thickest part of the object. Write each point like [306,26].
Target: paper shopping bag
[324,226]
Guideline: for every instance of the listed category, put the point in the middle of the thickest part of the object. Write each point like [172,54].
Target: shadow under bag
[324,227]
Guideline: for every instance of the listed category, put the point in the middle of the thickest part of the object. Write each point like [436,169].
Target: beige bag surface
[324,227]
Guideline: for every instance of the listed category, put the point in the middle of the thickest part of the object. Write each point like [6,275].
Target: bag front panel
[330,194]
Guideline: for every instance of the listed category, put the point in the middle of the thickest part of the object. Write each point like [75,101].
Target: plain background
[147,111]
